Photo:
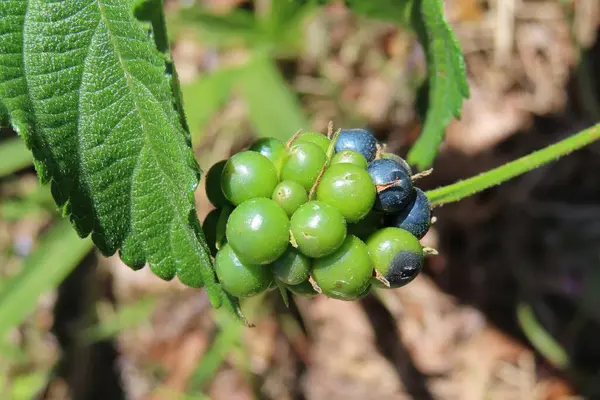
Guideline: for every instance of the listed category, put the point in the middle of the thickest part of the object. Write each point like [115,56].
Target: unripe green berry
[314,137]
[397,255]
[258,231]
[318,229]
[292,268]
[290,195]
[348,188]
[346,273]
[248,175]
[349,157]
[303,164]
[238,278]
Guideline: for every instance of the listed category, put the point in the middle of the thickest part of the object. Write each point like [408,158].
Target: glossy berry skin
[258,231]
[399,160]
[292,268]
[238,278]
[213,185]
[209,227]
[415,217]
[290,195]
[346,273]
[273,149]
[396,254]
[366,226]
[360,140]
[247,175]
[350,157]
[348,188]
[303,289]
[314,137]
[394,186]
[318,229]
[303,164]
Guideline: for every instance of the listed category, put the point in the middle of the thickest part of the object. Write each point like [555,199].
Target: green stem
[468,187]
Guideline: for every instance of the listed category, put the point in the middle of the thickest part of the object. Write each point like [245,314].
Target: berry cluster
[331,214]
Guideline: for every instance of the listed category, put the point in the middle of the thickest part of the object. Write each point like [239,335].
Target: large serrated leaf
[446,78]
[88,91]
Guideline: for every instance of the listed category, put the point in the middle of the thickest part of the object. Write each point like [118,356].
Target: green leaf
[388,10]
[59,251]
[446,79]
[206,95]
[273,108]
[446,84]
[89,92]
[14,156]
[237,27]
[540,338]
[468,187]
[228,338]
[26,386]
[125,317]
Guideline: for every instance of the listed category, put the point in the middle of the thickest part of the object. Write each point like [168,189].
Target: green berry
[318,229]
[292,267]
[258,231]
[348,188]
[303,289]
[314,137]
[247,175]
[213,185]
[209,227]
[349,157]
[273,149]
[346,273]
[238,278]
[396,254]
[290,195]
[303,164]
[366,226]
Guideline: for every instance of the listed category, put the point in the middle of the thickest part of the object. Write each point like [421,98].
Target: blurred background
[510,309]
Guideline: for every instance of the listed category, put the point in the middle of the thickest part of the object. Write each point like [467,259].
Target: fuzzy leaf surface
[88,91]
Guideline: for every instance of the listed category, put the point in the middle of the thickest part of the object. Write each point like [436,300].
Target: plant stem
[468,187]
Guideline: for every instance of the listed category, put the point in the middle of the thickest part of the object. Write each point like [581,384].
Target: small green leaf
[273,107]
[125,317]
[228,338]
[59,251]
[540,338]
[206,95]
[485,180]
[235,28]
[27,386]
[446,78]
[14,156]
[388,10]
[89,92]
[446,84]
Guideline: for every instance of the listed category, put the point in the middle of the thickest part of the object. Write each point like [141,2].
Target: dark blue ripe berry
[394,186]
[359,140]
[415,217]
